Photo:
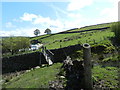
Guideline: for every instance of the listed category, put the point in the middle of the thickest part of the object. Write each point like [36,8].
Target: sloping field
[90,34]
[37,78]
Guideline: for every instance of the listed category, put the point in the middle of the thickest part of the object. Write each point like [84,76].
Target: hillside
[64,39]
[105,58]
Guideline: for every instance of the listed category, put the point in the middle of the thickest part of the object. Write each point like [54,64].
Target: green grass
[37,78]
[52,41]
[91,37]
[42,36]
[106,76]
[112,58]
[93,27]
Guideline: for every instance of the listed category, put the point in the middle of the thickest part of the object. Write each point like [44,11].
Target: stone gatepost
[87,67]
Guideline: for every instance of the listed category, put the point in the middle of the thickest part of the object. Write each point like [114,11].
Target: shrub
[116,29]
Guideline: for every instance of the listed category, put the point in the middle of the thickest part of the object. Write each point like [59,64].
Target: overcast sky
[22,18]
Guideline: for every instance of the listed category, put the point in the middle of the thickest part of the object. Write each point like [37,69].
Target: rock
[32,68]
[37,67]
[62,77]
[28,70]
[56,85]
[43,65]
[2,81]
[68,61]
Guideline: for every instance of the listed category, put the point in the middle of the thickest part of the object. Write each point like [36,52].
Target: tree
[37,32]
[48,31]
[13,44]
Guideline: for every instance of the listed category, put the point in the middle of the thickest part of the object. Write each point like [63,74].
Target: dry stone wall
[21,62]
[62,53]
[30,60]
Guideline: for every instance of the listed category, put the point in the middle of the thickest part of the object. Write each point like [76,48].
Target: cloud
[110,14]
[107,14]
[68,18]
[37,22]
[41,20]
[109,1]
[47,22]
[20,32]
[4,33]
[27,31]
[28,17]
[9,25]
[78,4]
[57,9]
[56,25]
[65,19]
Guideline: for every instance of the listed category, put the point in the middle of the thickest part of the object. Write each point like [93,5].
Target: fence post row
[87,66]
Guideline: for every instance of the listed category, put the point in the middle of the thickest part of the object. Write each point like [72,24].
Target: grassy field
[91,37]
[53,41]
[40,78]
[93,27]
[37,78]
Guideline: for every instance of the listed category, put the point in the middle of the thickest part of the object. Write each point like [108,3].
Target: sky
[22,18]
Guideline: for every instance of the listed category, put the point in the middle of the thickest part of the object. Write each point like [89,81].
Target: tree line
[14,44]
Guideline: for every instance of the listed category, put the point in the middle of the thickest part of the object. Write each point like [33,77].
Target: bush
[116,29]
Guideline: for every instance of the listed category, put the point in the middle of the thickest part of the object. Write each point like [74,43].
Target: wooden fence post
[87,66]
